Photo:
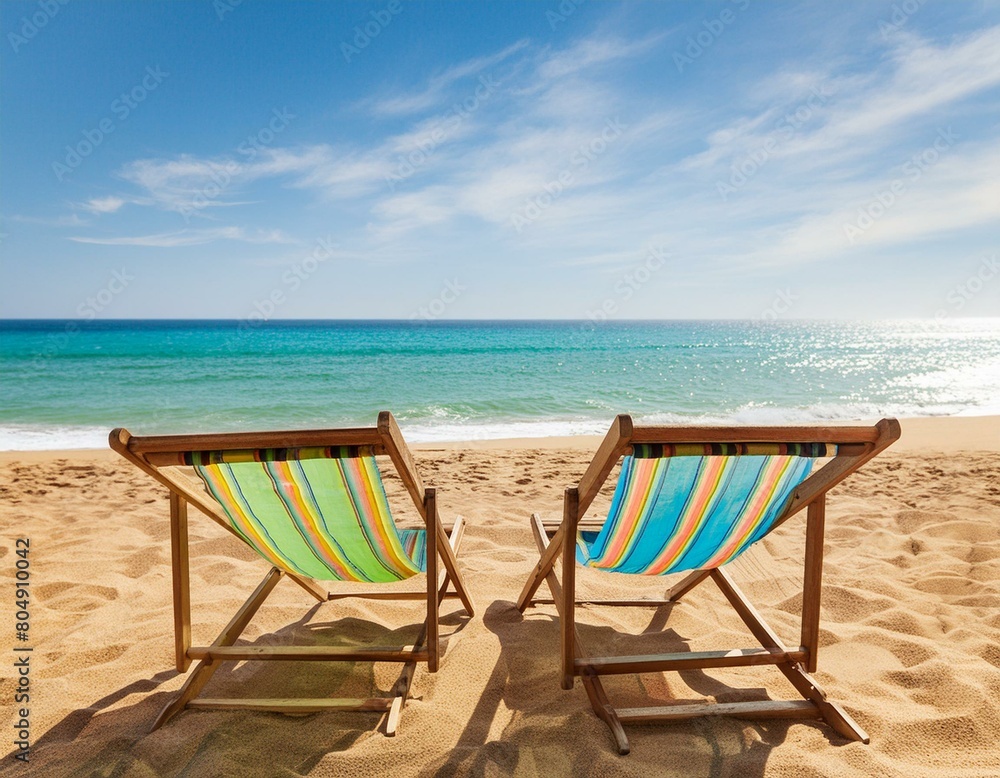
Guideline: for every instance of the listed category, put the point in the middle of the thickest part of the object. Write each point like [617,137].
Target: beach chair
[693,499]
[312,504]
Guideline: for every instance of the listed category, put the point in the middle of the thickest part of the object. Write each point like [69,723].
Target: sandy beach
[910,632]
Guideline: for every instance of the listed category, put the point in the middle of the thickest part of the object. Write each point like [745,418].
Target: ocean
[65,384]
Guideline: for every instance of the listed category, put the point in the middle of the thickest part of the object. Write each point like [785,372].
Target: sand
[910,634]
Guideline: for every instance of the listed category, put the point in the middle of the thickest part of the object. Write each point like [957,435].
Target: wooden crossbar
[747,434]
[308,653]
[688,660]
[385,596]
[640,602]
[775,709]
[584,525]
[236,441]
[293,705]
[173,459]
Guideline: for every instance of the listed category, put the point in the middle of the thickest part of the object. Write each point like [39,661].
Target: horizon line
[257,323]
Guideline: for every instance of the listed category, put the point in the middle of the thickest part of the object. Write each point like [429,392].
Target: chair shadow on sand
[547,739]
[110,739]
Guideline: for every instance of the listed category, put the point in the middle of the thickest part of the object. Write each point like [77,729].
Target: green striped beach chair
[692,499]
[311,503]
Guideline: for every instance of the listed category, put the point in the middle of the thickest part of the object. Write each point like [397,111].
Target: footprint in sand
[219,573]
[141,562]
[75,598]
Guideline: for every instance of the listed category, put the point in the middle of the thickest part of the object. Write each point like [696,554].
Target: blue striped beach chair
[311,503]
[692,499]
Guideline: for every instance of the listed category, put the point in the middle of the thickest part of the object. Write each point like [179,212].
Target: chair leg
[690,581]
[544,566]
[450,560]
[180,564]
[834,715]
[591,681]
[605,710]
[567,615]
[310,586]
[804,683]
[433,603]
[206,668]
[401,690]
[455,542]
[812,582]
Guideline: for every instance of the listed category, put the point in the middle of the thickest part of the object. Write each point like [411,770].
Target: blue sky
[505,160]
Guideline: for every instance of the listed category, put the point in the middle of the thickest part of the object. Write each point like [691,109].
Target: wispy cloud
[851,116]
[958,192]
[598,49]
[433,94]
[189,183]
[98,205]
[176,184]
[70,220]
[189,238]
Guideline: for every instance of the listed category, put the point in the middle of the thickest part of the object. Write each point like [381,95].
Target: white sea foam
[42,438]
[24,437]
[442,425]
[431,433]
[748,414]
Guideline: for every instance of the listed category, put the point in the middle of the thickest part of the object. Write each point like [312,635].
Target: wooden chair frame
[150,454]
[856,446]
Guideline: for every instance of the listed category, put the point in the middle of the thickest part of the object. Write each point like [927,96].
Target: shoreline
[938,434]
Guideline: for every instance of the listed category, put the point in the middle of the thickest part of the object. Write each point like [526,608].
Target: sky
[569,160]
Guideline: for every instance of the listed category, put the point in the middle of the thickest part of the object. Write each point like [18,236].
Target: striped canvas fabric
[319,516]
[271,454]
[690,513]
[657,450]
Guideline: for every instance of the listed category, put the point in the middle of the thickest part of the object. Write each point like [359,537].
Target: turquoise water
[65,384]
